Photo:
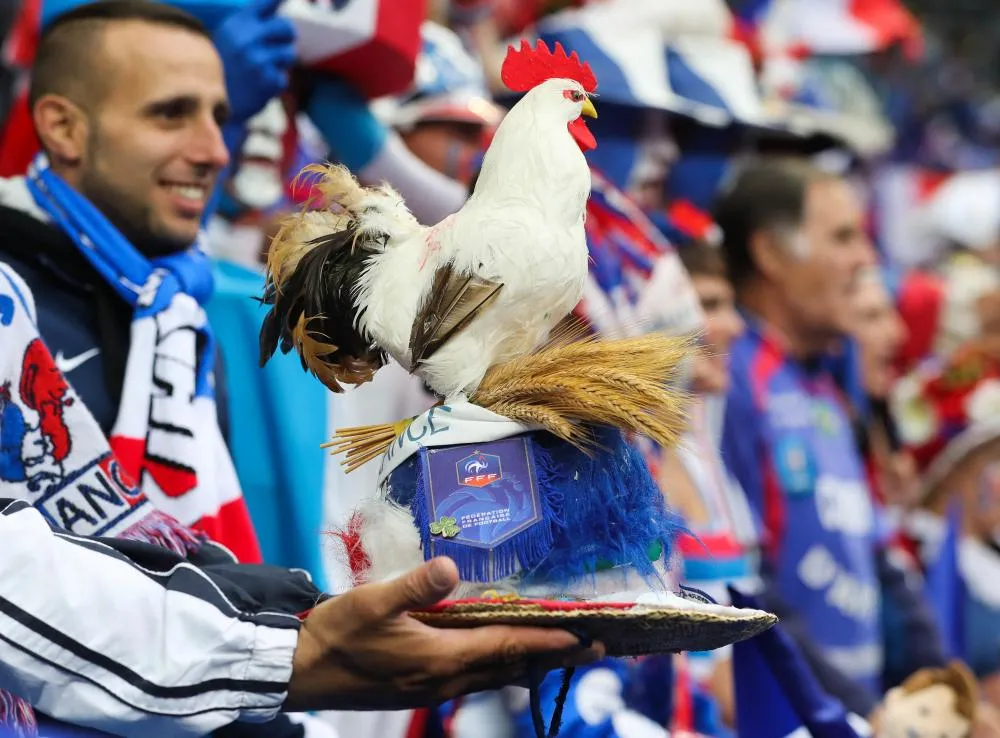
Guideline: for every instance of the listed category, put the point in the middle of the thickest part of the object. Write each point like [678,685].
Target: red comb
[526,67]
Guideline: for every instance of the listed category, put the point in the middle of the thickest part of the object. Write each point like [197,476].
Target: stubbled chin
[582,135]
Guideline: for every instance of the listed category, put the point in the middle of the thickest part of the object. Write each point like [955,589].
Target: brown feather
[455,300]
[314,313]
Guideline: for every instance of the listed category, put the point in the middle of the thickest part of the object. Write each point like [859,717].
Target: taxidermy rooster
[361,279]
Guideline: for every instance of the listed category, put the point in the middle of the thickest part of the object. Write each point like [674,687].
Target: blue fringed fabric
[526,548]
[599,511]
[609,509]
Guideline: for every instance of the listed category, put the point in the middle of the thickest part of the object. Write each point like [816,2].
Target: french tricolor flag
[838,27]
[371,43]
[681,58]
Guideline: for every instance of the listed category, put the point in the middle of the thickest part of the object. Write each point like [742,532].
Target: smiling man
[139,138]
[128,100]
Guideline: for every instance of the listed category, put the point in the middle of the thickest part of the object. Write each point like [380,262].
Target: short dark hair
[701,259]
[765,194]
[69,47]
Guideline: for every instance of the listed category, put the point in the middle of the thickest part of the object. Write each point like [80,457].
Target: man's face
[656,151]
[155,148]
[723,325]
[822,261]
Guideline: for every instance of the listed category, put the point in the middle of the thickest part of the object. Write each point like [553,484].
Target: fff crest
[478,469]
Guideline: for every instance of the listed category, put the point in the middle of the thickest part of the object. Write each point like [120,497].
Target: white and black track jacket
[132,639]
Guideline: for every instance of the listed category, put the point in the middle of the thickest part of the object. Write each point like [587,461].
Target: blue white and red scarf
[166,437]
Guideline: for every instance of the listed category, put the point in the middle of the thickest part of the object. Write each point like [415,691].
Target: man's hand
[361,651]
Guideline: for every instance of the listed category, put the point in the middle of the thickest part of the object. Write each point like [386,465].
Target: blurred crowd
[810,187]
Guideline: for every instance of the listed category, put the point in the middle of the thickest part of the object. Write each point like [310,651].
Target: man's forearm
[92,638]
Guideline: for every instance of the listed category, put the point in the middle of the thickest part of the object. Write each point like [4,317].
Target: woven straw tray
[626,629]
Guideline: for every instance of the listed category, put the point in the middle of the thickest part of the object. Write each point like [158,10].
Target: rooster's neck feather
[534,158]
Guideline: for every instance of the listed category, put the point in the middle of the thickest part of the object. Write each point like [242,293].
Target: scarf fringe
[160,529]
[17,718]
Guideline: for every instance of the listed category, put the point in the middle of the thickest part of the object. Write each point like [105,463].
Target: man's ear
[63,129]
[768,254]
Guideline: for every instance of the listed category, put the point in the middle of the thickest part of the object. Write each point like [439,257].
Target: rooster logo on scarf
[35,453]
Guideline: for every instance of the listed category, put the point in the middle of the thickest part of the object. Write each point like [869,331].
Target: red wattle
[582,135]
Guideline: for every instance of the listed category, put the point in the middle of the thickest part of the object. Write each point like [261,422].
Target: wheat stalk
[574,382]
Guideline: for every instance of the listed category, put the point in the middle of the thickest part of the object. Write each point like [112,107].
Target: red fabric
[229,524]
[682,722]
[929,182]
[718,545]
[766,362]
[874,478]
[232,527]
[23,39]
[418,723]
[515,16]
[392,51]
[18,142]
[892,23]
[921,298]
[947,389]
[746,33]
[690,220]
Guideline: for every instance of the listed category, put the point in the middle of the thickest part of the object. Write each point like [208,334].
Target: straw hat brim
[625,629]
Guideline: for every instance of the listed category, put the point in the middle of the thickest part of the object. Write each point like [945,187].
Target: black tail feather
[313,311]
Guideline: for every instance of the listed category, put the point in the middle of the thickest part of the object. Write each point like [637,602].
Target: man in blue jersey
[796,245]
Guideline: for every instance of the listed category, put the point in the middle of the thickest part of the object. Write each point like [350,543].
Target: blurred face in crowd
[656,151]
[975,480]
[723,326]
[154,147]
[451,148]
[880,333]
[817,269]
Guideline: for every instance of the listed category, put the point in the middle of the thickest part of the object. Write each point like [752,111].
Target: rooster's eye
[574,95]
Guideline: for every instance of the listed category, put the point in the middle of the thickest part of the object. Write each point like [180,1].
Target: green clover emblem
[445,526]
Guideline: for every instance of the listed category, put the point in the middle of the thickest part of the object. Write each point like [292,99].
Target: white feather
[522,227]
[389,538]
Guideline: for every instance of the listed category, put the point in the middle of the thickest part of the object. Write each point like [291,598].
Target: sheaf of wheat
[571,384]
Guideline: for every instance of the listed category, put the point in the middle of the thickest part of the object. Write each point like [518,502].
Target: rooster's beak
[588,109]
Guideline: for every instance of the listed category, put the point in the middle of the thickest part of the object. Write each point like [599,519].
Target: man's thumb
[425,585]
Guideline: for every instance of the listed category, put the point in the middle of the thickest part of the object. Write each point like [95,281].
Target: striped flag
[643,62]
[834,27]
[373,43]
